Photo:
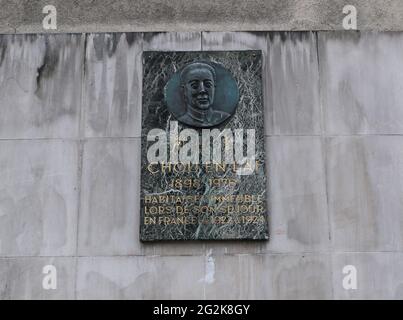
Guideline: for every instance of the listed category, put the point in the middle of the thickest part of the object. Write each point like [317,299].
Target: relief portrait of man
[198,83]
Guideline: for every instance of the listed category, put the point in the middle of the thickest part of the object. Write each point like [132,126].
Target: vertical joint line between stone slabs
[330,244]
[323,136]
[83,77]
[325,160]
[322,114]
[272,130]
[79,185]
[201,40]
[325,150]
[80,142]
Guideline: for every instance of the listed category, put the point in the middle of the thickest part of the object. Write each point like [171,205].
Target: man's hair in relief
[197,65]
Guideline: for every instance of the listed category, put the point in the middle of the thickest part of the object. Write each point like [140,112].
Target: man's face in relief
[199,88]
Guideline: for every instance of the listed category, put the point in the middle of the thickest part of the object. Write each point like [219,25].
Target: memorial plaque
[203,160]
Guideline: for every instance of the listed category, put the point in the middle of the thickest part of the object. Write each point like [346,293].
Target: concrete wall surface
[25,16]
[70,119]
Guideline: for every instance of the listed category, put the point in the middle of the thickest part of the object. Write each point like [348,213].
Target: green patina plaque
[203,156]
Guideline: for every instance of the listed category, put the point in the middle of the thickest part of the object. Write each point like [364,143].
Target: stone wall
[70,164]
[25,16]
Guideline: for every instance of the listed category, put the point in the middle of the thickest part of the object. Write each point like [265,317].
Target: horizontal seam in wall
[266,136]
[311,253]
[66,139]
